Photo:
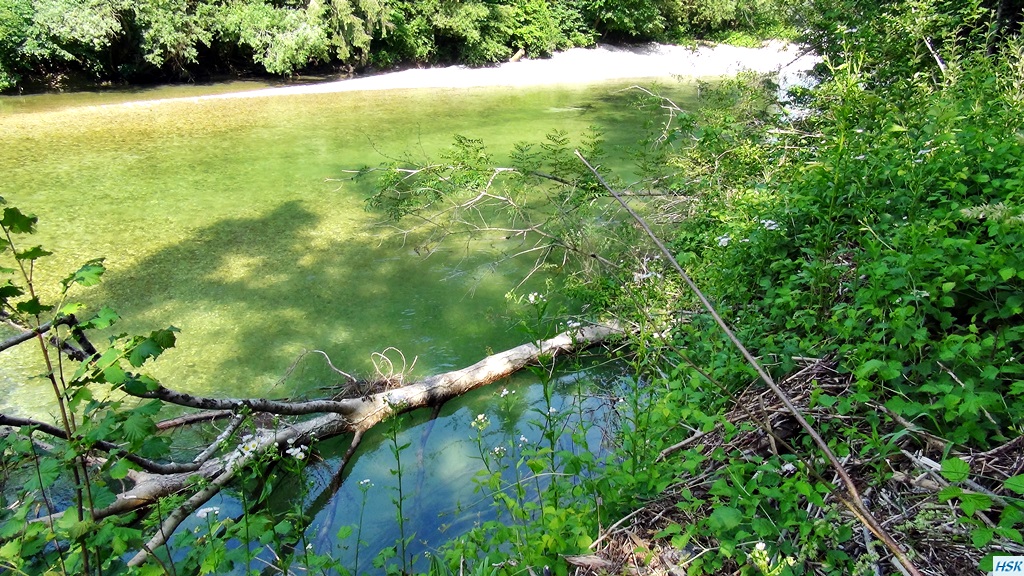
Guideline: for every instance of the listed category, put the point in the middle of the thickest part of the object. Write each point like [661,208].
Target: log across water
[327,418]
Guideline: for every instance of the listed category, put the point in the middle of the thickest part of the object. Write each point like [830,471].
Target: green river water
[219,216]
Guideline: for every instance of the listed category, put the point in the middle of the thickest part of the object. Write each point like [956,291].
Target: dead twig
[852,500]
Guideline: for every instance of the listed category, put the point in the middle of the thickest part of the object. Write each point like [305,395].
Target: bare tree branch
[331,418]
[110,448]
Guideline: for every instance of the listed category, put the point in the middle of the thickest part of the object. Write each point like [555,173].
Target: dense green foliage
[142,40]
[880,227]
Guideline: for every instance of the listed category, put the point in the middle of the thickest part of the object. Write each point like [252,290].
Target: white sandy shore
[576,66]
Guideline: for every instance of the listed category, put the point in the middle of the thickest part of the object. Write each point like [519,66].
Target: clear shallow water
[219,217]
[440,465]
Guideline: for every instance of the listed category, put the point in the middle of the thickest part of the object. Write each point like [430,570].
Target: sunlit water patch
[220,217]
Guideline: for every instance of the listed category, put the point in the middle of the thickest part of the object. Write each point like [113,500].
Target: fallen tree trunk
[329,418]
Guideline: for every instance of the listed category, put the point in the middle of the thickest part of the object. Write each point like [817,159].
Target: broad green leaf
[151,347]
[32,307]
[71,308]
[103,319]
[151,408]
[950,492]
[155,447]
[33,253]
[120,469]
[8,290]
[11,551]
[725,518]
[88,275]
[1010,534]
[137,427]
[1007,273]
[955,470]
[344,532]
[212,558]
[1015,483]
[102,497]
[135,386]
[115,375]
[283,528]
[980,537]
[17,222]
[886,370]
[165,338]
[972,502]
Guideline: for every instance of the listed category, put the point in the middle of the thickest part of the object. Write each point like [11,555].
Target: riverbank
[575,66]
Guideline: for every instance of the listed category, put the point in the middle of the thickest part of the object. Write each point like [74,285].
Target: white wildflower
[723,240]
[522,439]
[249,446]
[204,512]
[297,452]
[552,410]
[770,224]
[480,422]
[535,298]
[505,392]
[366,483]
[499,451]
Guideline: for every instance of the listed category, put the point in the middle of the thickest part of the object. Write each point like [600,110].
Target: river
[226,219]
[221,218]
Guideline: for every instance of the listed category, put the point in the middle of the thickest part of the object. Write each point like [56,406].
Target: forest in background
[47,43]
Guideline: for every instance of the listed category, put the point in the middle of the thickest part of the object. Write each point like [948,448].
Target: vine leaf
[152,346]
[88,275]
[34,253]
[17,222]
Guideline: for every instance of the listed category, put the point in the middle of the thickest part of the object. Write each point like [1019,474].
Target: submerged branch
[209,473]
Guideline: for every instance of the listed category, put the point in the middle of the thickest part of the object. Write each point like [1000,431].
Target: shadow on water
[216,219]
[264,290]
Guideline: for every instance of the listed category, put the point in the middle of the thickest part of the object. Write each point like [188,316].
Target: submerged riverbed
[221,217]
[226,219]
